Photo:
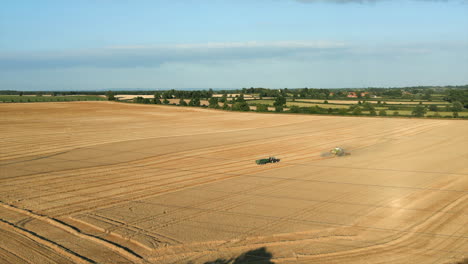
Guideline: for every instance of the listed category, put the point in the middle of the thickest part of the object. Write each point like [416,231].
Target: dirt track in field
[102,182]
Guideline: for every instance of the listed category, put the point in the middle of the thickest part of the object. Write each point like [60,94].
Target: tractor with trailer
[265,161]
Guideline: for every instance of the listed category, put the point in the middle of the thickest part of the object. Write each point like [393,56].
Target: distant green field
[262,101]
[302,104]
[402,102]
[403,109]
[297,103]
[31,99]
[429,113]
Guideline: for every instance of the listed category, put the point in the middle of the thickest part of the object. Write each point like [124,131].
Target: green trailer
[265,161]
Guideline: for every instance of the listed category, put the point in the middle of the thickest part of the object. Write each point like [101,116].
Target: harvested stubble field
[103,182]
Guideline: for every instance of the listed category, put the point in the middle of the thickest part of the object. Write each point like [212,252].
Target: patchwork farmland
[106,182]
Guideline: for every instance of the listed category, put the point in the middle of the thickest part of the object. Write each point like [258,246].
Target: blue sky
[108,44]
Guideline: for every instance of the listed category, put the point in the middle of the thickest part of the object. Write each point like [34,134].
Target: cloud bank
[152,56]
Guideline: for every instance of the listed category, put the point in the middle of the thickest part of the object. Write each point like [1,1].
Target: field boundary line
[48,243]
[129,254]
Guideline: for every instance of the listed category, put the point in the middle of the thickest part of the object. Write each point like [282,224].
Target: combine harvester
[265,161]
[335,152]
[339,152]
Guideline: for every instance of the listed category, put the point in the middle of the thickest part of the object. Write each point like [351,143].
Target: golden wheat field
[102,182]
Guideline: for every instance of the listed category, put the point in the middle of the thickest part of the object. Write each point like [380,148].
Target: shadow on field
[256,256]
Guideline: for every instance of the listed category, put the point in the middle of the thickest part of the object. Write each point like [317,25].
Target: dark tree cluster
[459,95]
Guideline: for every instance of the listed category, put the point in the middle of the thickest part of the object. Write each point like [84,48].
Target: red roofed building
[352,95]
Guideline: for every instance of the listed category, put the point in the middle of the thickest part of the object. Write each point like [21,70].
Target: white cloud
[248,44]
[150,56]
